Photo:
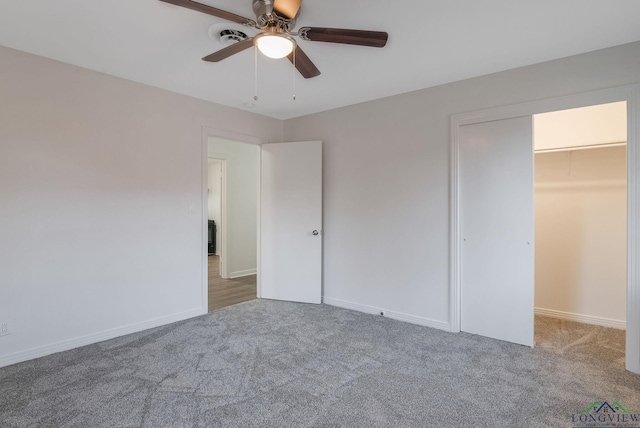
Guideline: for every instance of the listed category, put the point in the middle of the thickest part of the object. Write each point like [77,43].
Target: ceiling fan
[277,20]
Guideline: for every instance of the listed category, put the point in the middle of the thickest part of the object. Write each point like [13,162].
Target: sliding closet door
[496,229]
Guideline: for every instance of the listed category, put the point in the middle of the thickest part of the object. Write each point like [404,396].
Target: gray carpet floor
[277,364]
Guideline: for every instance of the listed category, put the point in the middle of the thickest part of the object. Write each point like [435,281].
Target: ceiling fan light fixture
[274,45]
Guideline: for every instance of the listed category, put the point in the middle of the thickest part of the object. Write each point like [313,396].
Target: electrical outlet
[4,328]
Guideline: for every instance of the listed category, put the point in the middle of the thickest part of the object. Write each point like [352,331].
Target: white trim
[204,268]
[89,339]
[218,156]
[589,184]
[454,229]
[224,247]
[585,99]
[630,94]
[633,232]
[233,136]
[574,148]
[412,319]
[242,273]
[258,225]
[350,305]
[585,319]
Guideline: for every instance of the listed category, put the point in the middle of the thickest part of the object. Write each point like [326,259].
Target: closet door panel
[497,229]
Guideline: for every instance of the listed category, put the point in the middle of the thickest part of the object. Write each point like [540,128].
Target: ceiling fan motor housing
[267,17]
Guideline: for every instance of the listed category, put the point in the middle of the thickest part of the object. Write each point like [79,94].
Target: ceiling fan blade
[304,65]
[374,39]
[210,10]
[229,50]
[287,8]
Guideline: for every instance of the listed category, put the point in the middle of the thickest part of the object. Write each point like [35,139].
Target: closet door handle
[315,233]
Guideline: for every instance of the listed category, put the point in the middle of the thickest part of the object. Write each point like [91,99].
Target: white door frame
[222,226]
[241,138]
[630,94]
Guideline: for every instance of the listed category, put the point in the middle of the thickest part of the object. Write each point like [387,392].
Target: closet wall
[580,219]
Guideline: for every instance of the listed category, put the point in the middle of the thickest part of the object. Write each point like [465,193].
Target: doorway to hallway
[232,208]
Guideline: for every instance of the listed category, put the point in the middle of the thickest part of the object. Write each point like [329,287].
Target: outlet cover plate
[4,328]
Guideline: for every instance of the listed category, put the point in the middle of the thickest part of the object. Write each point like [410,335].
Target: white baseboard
[65,345]
[240,273]
[586,319]
[412,319]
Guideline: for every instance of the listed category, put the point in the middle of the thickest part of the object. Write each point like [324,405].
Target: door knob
[315,233]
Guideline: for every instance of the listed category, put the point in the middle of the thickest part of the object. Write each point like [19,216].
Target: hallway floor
[227,292]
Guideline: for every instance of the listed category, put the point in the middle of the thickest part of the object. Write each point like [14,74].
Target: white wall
[96,174]
[214,177]
[581,235]
[241,166]
[96,177]
[386,179]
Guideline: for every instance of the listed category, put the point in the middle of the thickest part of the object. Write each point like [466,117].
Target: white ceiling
[431,42]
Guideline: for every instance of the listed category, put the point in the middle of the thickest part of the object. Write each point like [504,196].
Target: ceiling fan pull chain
[294,74]
[255,75]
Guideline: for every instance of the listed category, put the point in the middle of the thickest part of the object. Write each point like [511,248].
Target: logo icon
[605,414]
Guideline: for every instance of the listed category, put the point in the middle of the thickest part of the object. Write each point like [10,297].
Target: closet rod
[593,146]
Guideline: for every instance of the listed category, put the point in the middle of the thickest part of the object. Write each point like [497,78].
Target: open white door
[291,222]
[497,229]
